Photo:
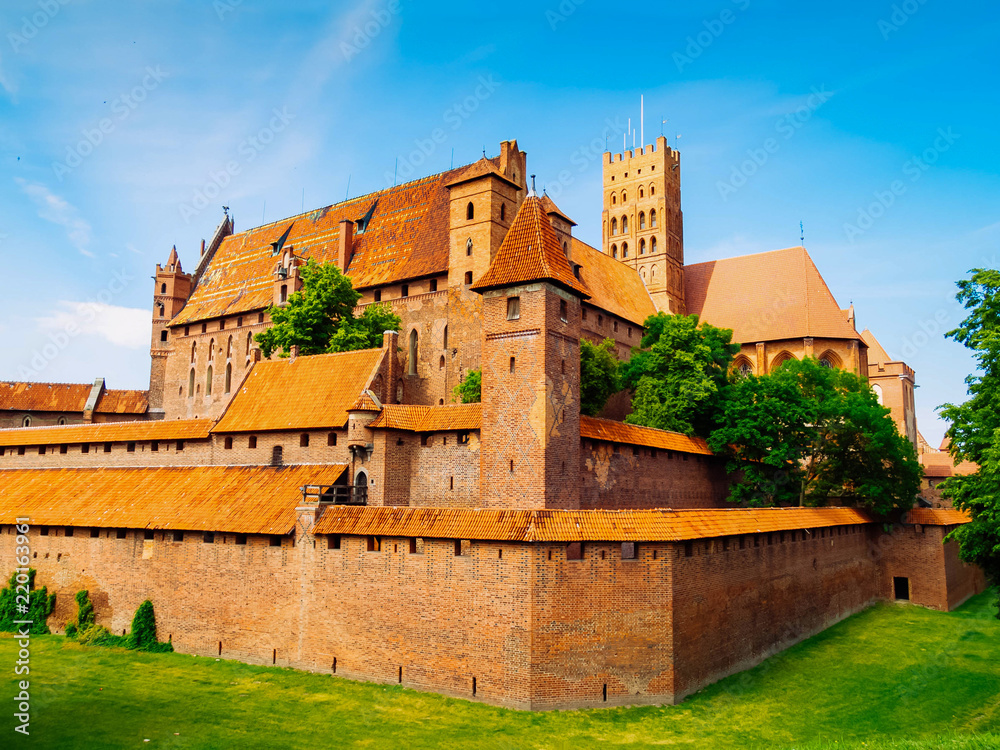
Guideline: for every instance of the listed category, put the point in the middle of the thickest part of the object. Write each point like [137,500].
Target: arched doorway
[360,494]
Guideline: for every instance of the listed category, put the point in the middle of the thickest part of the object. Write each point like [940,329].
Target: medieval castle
[338,513]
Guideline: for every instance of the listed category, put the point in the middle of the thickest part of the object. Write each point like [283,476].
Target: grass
[889,678]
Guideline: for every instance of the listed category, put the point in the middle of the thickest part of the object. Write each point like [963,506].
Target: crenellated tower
[642,221]
[170,293]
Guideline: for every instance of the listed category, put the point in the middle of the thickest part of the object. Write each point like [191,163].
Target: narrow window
[130,448]
[652,217]
[204,327]
[229,377]
[642,219]
[615,326]
[405,292]
[252,442]
[563,311]
[624,249]
[642,246]
[614,226]
[451,483]
[441,363]
[163,288]
[160,311]
[191,383]
[276,457]
[187,330]
[228,444]
[470,212]
[378,295]
[468,277]
[652,244]
[208,381]
[331,439]
[503,212]
[513,308]
[434,285]
[468,246]
[304,440]
[284,293]
[333,541]
[444,342]
[624,225]
[260,317]
[513,364]
[413,352]
[614,251]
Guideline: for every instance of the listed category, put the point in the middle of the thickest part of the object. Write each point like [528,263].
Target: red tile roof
[237,499]
[530,252]
[305,393]
[613,285]
[766,297]
[581,525]
[69,397]
[876,354]
[108,432]
[430,418]
[406,238]
[550,207]
[122,402]
[630,434]
[938,516]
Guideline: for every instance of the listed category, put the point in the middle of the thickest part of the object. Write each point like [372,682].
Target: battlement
[659,147]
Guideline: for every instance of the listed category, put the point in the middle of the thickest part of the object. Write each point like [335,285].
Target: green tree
[679,373]
[319,318]
[975,425]
[470,390]
[807,433]
[143,635]
[599,378]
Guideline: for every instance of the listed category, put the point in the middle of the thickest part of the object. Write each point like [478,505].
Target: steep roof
[766,297]
[236,499]
[430,418]
[313,392]
[481,168]
[108,432]
[613,285]
[876,354]
[579,525]
[530,252]
[550,207]
[631,434]
[406,238]
[68,397]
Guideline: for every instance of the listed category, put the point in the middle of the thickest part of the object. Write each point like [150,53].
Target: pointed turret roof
[531,252]
[174,261]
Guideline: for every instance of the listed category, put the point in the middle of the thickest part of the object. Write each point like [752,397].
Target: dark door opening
[901,589]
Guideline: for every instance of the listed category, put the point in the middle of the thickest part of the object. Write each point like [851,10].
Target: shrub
[38,607]
[84,615]
[143,635]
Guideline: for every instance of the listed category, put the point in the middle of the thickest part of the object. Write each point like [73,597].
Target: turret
[170,293]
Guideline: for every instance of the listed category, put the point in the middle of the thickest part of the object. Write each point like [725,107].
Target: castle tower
[642,220]
[530,339]
[171,292]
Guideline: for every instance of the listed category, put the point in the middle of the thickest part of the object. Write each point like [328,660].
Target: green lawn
[896,677]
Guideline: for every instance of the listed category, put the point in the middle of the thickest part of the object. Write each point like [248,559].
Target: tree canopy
[807,433]
[319,318]
[599,378]
[470,390]
[975,425]
[679,373]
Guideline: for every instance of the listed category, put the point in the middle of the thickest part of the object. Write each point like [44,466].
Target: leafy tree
[319,318]
[975,425]
[38,607]
[470,390]
[598,375]
[806,433]
[679,373]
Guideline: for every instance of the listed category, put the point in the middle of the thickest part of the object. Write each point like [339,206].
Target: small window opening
[209,538]
[574,551]
[563,311]
[513,365]
[95,533]
[304,440]
[228,444]
[468,277]
[405,291]
[470,212]
[513,308]
[252,442]
[377,295]
[333,541]
[120,534]
[628,551]
[275,541]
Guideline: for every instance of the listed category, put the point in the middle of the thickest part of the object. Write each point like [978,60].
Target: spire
[173,262]
[530,252]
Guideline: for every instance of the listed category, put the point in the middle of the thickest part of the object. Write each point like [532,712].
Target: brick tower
[173,287]
[642,220]
[530,452]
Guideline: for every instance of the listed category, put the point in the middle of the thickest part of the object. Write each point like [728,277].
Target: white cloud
[122,326]
[57,210]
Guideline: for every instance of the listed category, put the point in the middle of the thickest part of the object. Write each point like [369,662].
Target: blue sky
[874,123]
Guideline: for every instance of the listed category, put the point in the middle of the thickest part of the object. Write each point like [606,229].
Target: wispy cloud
[122,326]
[57,210]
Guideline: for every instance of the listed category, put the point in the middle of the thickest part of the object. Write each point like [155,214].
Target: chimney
[346,244]
[203,247]
[293,353]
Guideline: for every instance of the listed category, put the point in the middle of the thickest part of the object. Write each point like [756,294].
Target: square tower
[642,221]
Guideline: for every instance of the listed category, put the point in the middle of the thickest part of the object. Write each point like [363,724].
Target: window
[642,219]
[630,331]
[652,244]
[614,226]
[600,321]
[441,363]
[275,541]
[26,422]
[85,448]
[642,246]
[160,311]
[444,337]
[249,343]
[624,198]
[513,308]
[614,251]
[744,368]
[95,533]
[147,534]
[405,291]
[629,551]
[377,295]
[276,456]
[468,246]
[20,451]
[187,330]
[62,449]
[260,317]
[880,396]
[227,444]
[163,335]
[825,362]
[614,198]
[204,327]
[208,538]
[120,534]
[470,212]
[208,381]
[41,450]
[191,383]
[624,249]
[463,547]
[434,285]
[155,446]
[304,440]
[333,541]
[574,551]
[252,442]
[624,225]
[283,294]
[163,288]
[641,193]
[413,352]
[563,311]
[652,218]
[229,377]
[652,190]
[468,277]
[130,447]
[463,437]
[373,544]
[513,364]
[180,445]
[239,322]
[503,212]
[331,439]
[241,539]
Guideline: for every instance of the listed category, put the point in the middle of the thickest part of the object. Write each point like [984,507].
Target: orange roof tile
[941,464]
[305,393]
[766,297]
[366,402]
[631,434]
[122,402]
[108,432]
[582,525]
[237,499]
[550,207]
[530,252]
[68,397]
[430,418]
[613,285]
[938,516]
[479,169]
[406,238]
